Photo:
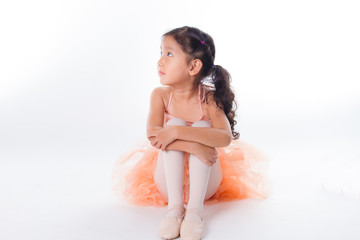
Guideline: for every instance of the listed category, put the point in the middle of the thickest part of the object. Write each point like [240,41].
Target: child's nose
[160,63]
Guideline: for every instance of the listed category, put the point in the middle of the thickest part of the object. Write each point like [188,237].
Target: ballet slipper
[170,226]
[192,230]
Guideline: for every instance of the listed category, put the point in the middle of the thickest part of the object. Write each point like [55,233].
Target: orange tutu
[243,167]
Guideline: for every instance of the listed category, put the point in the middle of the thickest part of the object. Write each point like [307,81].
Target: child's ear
[195,67]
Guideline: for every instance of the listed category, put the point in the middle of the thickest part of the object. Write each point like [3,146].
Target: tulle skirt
[244,175]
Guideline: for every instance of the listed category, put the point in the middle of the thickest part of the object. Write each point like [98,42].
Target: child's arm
[206,154]
[155,118]
[219,135]
[212,137]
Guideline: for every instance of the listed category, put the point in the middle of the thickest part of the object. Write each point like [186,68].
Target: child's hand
[206,154]
[162,137]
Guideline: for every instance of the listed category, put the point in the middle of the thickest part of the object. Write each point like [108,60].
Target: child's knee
[176,122]
[201,124]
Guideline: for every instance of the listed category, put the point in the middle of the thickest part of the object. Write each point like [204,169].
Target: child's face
[172,65]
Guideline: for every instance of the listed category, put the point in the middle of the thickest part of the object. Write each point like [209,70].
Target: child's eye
[169,53]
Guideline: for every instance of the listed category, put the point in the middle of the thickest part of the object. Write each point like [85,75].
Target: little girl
[194,154]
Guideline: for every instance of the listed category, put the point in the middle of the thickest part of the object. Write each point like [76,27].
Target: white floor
[67,196]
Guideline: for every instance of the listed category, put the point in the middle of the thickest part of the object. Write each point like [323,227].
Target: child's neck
[185,93]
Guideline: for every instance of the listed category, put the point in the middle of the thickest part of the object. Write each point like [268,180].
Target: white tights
[169,174]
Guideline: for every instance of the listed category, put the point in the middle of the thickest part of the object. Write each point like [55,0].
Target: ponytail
[224,96]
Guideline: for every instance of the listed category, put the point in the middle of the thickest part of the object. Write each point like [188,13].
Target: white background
[75,80]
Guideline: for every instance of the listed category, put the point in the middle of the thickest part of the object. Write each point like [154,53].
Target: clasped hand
[161,137]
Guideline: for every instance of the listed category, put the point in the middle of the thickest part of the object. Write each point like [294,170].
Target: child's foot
[193,225]
[170,225]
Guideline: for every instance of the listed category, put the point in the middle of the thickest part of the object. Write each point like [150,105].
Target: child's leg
[169,172]
[215,179]
[168,176]
[204,180]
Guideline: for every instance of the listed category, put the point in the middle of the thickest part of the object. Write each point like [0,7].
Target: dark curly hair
[200,45]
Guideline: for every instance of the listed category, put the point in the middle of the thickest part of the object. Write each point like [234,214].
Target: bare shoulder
[162,93]
[160,90]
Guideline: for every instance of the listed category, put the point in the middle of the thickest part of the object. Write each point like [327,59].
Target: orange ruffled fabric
[244,175]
